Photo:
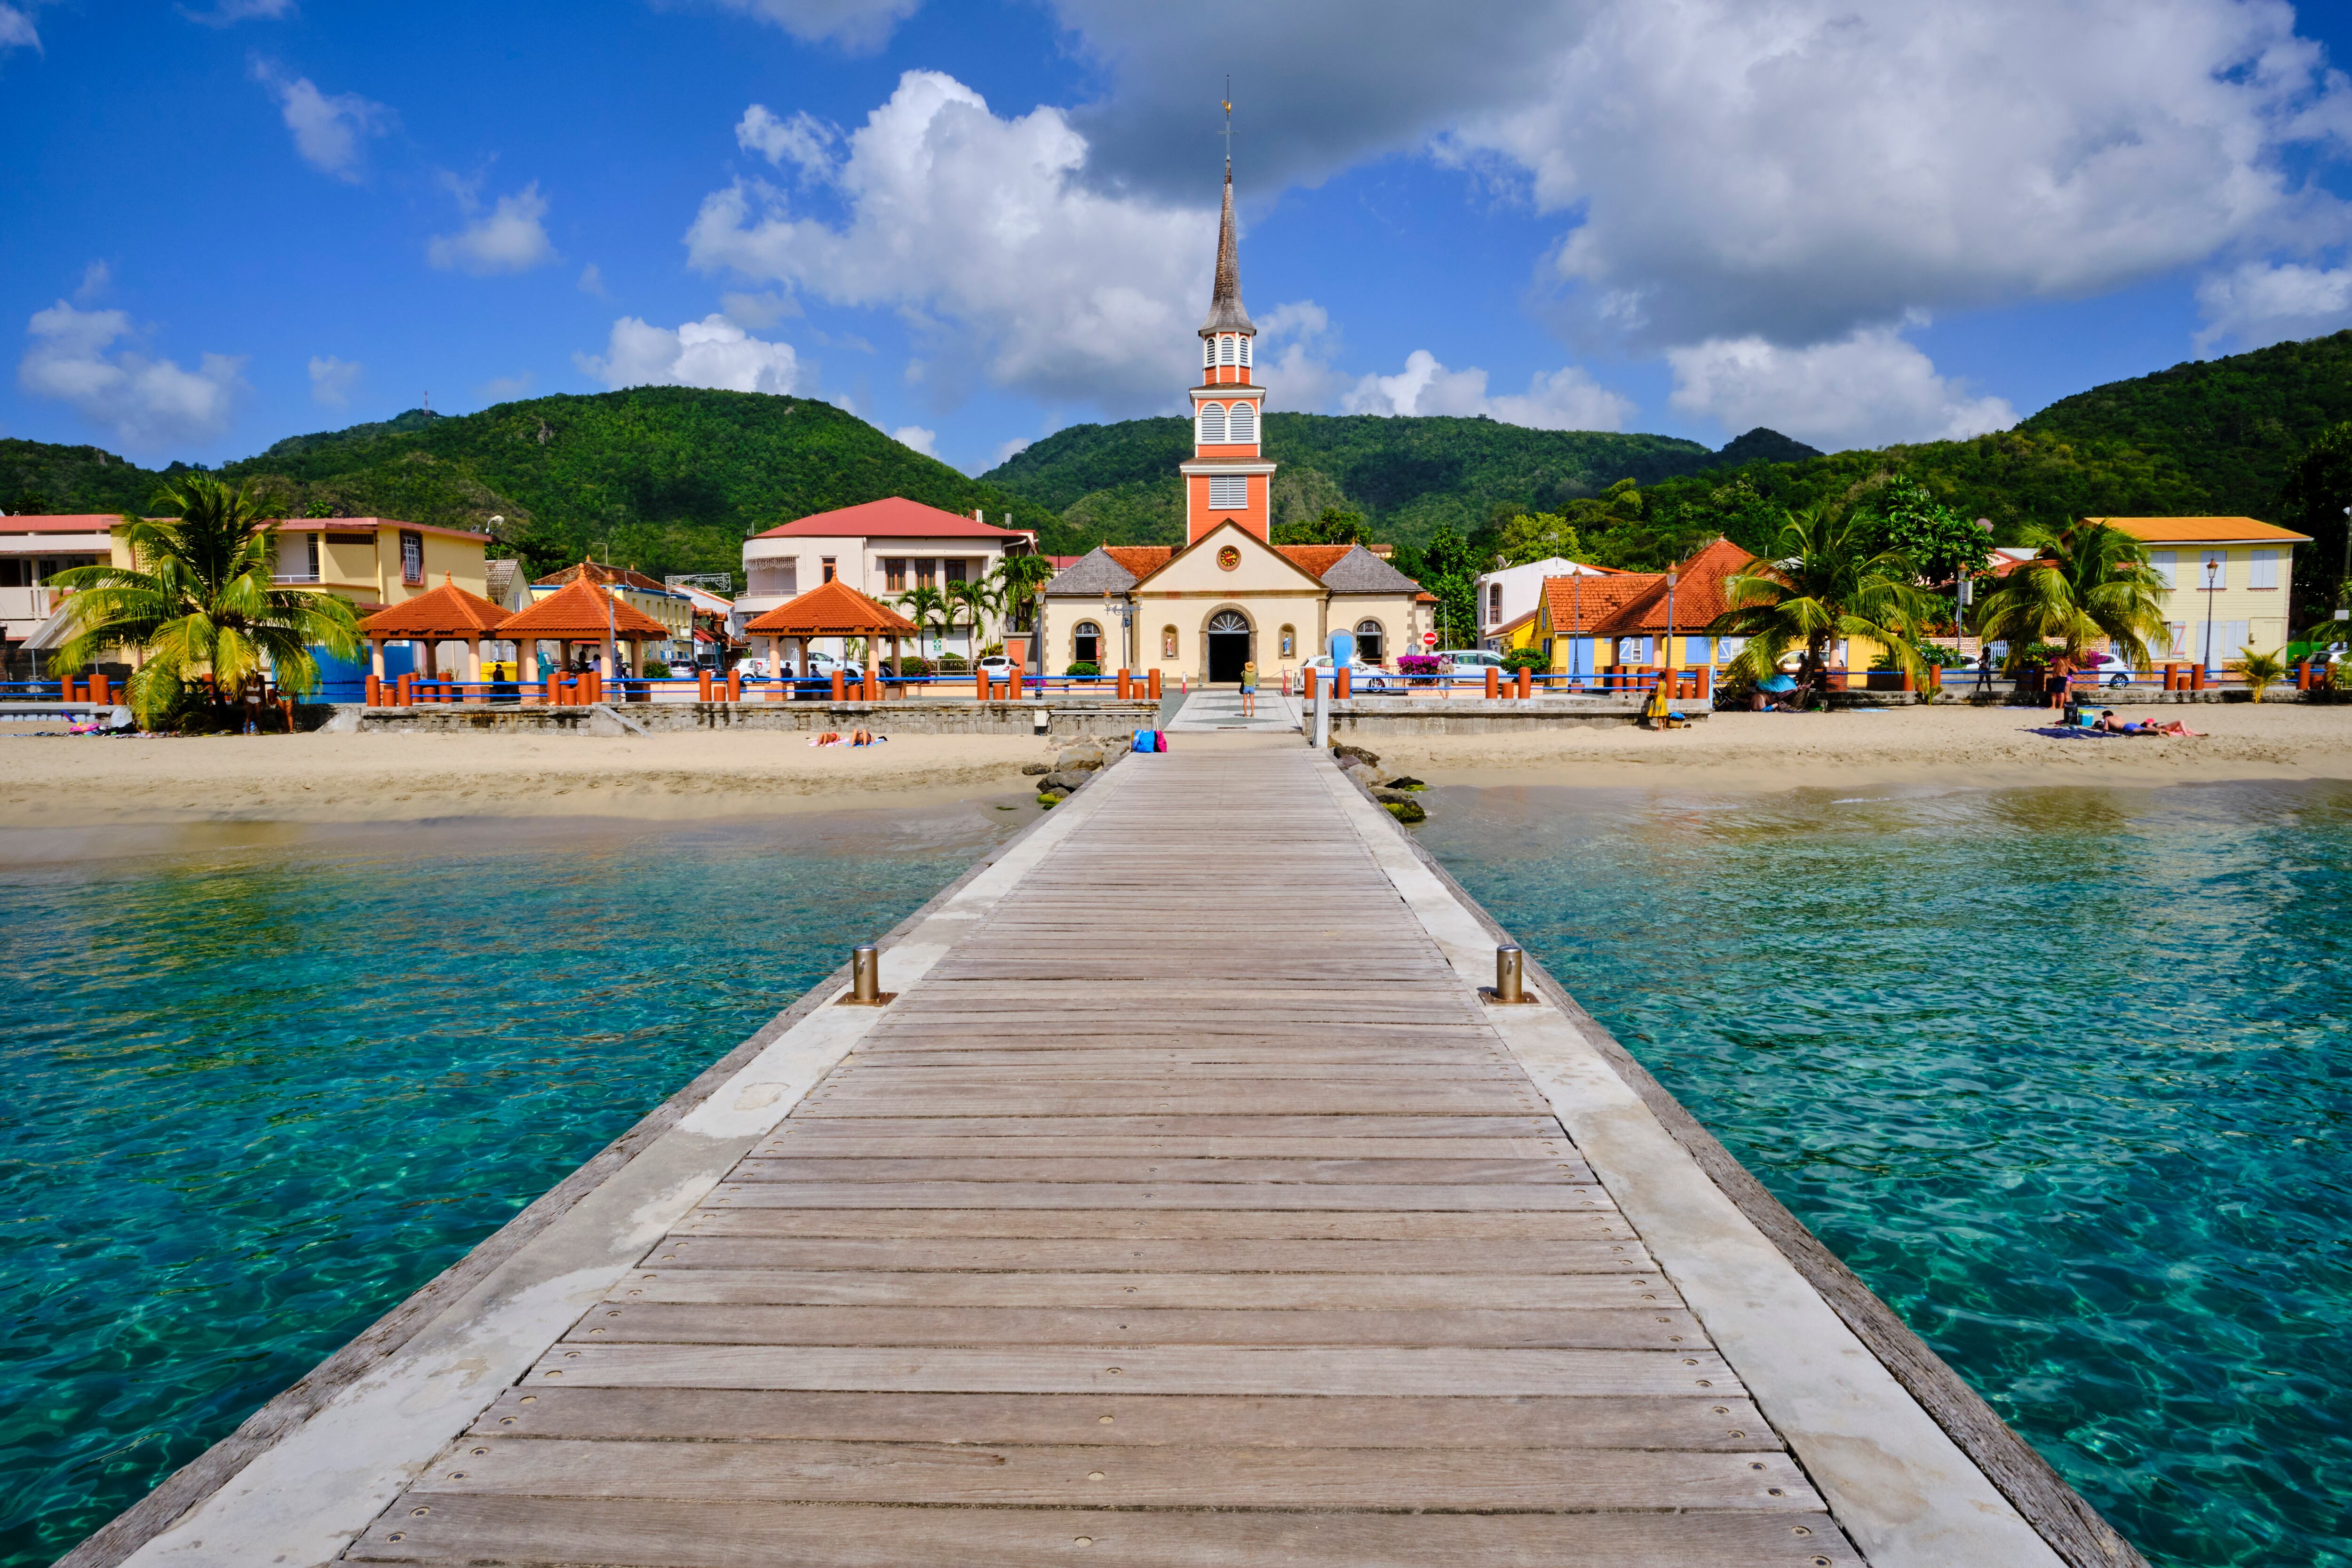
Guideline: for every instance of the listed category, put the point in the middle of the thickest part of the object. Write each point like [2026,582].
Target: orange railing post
[1347,682]
[1494,683]
[979,683]
[734,686]
[1014,686]
[840,685]
[1526,682]
[1151,686]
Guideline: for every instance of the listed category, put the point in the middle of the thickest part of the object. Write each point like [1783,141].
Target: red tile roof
[353,524]
[830,609]
[447,611]
[1313,559]
[893,517]
[580,609]
[1140,560]
[1587,606]
[1698,597]
[597,572]
[61,522]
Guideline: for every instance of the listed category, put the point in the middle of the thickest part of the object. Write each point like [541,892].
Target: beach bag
[1158,740]
[1147,740]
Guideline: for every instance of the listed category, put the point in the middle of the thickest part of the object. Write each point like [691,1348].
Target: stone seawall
[1483,716]
[1061,722]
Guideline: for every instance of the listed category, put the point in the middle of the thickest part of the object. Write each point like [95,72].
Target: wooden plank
[1540,1481]
[1532,1257]
[1134,1227]
[1140,1369]
[1291,1098]
[1239,1125]
[1102,1169]
[903,1288]
[1261,1195]
[1730,1425]
[954,1147]
[567,1532]
[622,1320]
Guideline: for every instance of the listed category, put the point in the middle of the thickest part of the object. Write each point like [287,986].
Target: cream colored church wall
[1188,615]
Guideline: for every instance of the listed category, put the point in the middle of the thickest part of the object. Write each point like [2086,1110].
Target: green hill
[1409,476]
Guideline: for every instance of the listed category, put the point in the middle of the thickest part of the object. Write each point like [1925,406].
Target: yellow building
[672,607]
[2227,580]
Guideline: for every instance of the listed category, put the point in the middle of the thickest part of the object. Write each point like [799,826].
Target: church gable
[1256,567]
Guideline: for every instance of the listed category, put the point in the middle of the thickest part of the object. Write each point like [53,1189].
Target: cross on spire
[1228,131]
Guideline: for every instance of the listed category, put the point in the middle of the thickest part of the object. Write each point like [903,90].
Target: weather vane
[1228,131]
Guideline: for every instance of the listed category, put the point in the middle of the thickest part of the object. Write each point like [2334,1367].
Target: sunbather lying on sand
[2110,724]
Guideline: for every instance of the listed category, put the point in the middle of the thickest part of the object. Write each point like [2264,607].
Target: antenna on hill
[428,401]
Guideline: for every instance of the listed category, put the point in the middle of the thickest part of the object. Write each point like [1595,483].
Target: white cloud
[804,142]
[2259,303]
[1007,451]
[1870,389]
[927,442]
[504,388]
[857,25]
[331,131]
[713,351]
[980,233]
[331,380]
[1801,168]
[228,13]
[16,29]
[146,403]
[1295,343]
[1565,399]
[758,312]
[96,280]
[592,281]
[510,237]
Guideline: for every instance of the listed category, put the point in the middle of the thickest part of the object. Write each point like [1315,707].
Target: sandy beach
[91,781]
[87,781]
[1940,747]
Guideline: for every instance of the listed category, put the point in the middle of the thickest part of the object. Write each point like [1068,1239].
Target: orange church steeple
[1227,479]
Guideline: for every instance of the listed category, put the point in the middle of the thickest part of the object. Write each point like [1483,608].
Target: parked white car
[1469,660]
[1361,676]
[998,667]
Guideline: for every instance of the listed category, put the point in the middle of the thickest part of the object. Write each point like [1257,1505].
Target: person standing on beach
[1984,667]
[1249,690]
[2059,681]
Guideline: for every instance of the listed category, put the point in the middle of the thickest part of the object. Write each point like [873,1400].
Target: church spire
[1226,313]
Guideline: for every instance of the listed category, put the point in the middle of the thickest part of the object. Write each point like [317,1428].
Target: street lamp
[2212,586]
[1113,606]
[1666,664]
[1576,613]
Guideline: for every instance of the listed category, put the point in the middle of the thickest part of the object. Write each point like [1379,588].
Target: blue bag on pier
[1147,740]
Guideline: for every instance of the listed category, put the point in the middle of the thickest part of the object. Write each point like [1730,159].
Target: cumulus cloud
[145,403]
[228,13]
[927,442]
[804,142]
[1564,399]
[713,351]
[331,380]
[331,131]
[2259,303]
[592,281]
[1296,345]
[16,29]
[510,237]
[1870,389]
[980,233]
[857,27]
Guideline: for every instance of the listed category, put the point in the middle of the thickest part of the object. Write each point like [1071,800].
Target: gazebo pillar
[898,666]
[375,646]
[474,657]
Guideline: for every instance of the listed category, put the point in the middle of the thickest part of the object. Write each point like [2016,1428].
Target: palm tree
[2262,670]
[978,601]
[2085,582]
[1823,582]
[197,597]
[1020,582]
[925,605]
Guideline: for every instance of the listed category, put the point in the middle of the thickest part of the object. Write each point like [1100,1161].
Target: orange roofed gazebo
[834,609]
[583,612]
[446,614]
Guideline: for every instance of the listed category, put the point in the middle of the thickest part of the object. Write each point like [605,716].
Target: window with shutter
[1228,492]
[1224,348]
[2163,562]
[412,557]
[2263,569]
[1243,426]
[1245,350]
[1213,424]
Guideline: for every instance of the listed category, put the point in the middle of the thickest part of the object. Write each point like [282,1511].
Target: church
[1229,595]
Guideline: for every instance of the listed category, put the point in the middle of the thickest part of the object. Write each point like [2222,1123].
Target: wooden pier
[1188,1208]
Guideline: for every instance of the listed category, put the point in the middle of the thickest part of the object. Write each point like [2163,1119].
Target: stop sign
[1429,639]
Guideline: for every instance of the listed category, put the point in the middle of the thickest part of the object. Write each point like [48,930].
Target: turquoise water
[2064,1075]
[264,1082]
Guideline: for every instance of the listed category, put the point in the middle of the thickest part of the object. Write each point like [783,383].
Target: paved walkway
[1220,707]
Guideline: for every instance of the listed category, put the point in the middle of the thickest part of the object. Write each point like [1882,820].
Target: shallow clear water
[2064,1075]
[264,1082]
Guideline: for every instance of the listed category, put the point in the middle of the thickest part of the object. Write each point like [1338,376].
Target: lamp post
[2212,586]
[1666,664]
[1113,606]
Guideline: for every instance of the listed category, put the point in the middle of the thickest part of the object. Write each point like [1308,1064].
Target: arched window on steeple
[1208,352]
[1213,424]
[1243,427]
[1245,349]
[1224,348]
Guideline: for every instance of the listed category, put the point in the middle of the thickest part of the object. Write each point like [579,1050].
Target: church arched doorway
[1229,645]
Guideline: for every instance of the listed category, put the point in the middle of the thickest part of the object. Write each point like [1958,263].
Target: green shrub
[657,670]
[1528,657]
[1083,667]
[911,666]
[953,664]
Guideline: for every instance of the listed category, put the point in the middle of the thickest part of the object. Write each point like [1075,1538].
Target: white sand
[89,780]
[1938,746]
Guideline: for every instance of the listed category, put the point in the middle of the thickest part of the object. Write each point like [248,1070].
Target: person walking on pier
[1249,690]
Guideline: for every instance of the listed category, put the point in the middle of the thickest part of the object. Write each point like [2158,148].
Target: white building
[1511,594]
[882,549]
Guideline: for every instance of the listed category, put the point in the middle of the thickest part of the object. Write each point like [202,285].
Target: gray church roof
[1361,572]
[1091,575]
[1226,313]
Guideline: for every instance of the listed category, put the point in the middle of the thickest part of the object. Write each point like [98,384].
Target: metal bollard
[865,974]
[1509,974]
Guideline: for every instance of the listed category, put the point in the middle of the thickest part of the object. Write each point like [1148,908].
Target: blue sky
[972,224]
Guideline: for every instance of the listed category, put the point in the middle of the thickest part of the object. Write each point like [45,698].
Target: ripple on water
[264,1081]
[2063,1074]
